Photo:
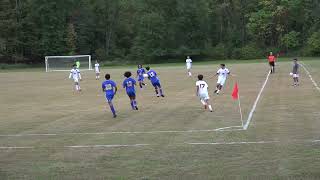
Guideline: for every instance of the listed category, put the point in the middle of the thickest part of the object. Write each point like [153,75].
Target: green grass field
[49,132]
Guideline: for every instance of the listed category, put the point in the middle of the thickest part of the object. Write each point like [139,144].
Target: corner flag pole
[239,102]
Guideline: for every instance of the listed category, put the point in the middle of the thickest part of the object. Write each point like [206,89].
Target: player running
[222,74]
[202,92]
[97,70]
[272,60]
[129,84]
[295,72]
[152,75]
[76,76]
[189,65]
[140,73]
[110,89]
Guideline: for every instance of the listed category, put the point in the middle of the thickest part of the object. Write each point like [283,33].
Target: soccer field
[47,131]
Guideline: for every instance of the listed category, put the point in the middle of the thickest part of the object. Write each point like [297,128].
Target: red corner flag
[235,92]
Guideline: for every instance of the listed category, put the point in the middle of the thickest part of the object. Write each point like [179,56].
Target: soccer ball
[291,74]
[145,75]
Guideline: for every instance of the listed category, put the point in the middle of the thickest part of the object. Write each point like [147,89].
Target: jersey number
[202,86]
[151,74]
[108,87]
[129,83]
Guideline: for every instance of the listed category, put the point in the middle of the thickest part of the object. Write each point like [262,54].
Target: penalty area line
[245,127]
[311,78]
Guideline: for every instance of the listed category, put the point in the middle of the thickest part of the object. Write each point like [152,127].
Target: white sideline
[309,74]
[108,146]
[235,143]
[124,132]
[245,127]
[144,145]
[16,147]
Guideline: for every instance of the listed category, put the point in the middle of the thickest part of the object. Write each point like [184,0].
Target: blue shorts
[156,84]
[109,97]
[140,78]
[131,93]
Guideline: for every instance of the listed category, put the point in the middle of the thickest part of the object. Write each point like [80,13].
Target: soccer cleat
[137,108]
[162,95]
[158,95]
[215,91]
[114,116]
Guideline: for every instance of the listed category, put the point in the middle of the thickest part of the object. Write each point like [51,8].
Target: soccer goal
[64,63]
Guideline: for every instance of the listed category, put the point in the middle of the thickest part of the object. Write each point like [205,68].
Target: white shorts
[221,81]
[204,96]
[295,75]
[97,70]
[188,67]
[76,80]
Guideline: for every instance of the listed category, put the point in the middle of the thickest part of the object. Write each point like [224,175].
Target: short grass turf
[34,102]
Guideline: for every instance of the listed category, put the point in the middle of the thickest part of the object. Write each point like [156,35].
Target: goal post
[64,63]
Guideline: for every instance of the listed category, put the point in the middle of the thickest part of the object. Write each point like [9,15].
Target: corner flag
[235,92]
[235,96]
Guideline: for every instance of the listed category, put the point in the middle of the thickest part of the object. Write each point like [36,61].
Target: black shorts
[271,64]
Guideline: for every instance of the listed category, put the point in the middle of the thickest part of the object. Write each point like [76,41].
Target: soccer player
[97,70]
[76,76]
[202,92]
[140,73]
[295,72]
[189,65]
[152,75]
[129,84]
[272,60]
[222,74]
[110,89]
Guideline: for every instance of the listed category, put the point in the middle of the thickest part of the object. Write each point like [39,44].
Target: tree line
[157,30]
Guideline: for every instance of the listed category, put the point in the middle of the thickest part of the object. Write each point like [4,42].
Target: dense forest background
[157,30]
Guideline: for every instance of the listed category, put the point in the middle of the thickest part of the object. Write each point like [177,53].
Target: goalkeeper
[78,64]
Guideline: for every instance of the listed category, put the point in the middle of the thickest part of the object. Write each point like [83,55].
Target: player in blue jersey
[129,84]
[110,88]
[152,75]
[140,73]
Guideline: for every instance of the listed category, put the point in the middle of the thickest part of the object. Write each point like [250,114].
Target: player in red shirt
[272,60]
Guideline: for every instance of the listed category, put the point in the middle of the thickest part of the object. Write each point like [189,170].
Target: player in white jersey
[202,92]
[76,76]
[97,70]
[189,65]
[222,74]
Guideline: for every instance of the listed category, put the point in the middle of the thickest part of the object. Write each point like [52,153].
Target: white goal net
[64,63]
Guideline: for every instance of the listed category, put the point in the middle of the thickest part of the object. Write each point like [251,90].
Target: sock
[140,84]
[210,107]
[132,104]
[157,92]
[204,103]
[112,110]
[218,91]
[161,91]
[98,77]
[190,74]
[77,87]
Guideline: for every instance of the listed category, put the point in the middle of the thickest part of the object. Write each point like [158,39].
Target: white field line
[245,127]
[108,146]
[16,147]
[124,132]
[309,74]
[235,143]
[102,146]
